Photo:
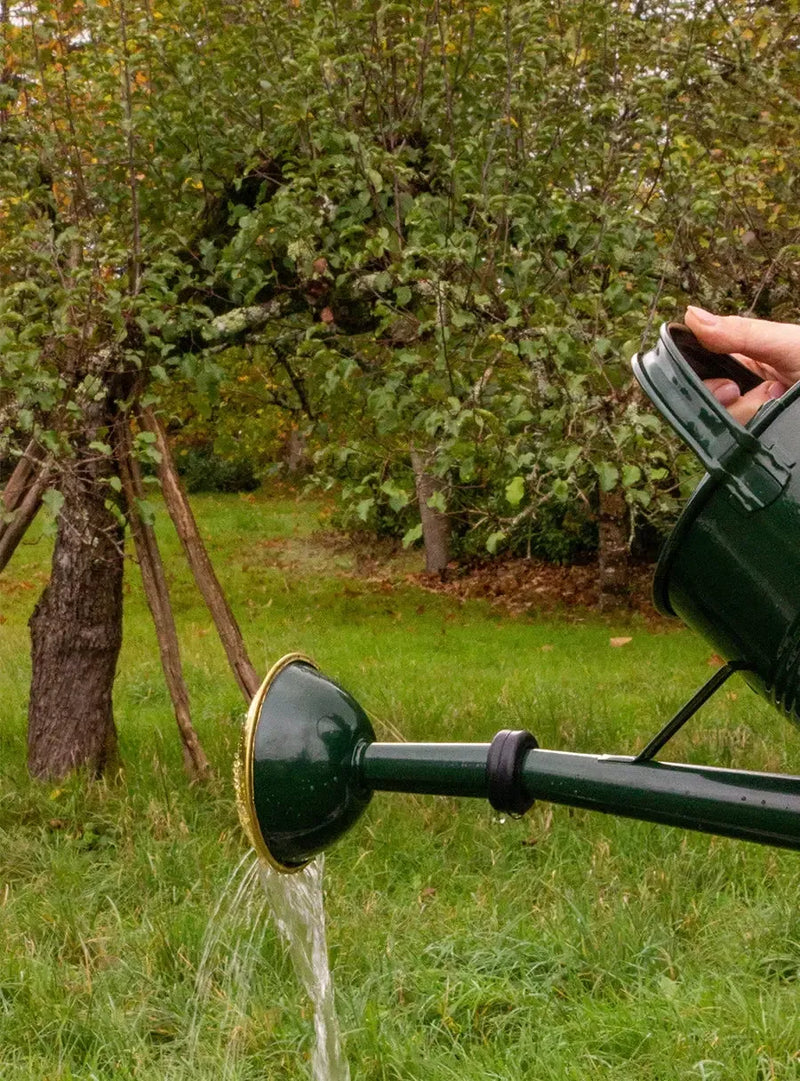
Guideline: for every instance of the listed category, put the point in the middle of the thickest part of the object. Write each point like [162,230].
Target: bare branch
[241,321]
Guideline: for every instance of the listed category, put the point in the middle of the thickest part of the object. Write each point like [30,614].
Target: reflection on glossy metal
[297,788]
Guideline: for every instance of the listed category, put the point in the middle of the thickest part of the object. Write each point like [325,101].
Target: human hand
[771,350]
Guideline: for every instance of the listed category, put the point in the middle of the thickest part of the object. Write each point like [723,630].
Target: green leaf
[494,541]
[412,535]
[603,347]
[53,501]
[608,475]
[115,512]
[364,507]
[437,502]
[640,496]
[398,498]
[631,474]
[571,456]
[515,491]
[147,512]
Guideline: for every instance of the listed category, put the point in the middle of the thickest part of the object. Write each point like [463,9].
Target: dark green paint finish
[438,769]
[759,807]
[306,789]
[731,567]
[762,807]
[753,471]
[316,764]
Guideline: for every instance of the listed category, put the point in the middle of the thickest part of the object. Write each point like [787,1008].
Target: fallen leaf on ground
[619,641]
[523,586]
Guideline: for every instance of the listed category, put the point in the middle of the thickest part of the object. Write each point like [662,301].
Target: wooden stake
[207,582]
[158,600]
[21,498]
[25,471]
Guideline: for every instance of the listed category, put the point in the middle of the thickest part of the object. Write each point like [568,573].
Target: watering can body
[731,567]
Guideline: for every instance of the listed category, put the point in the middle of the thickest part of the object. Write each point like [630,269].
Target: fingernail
[727,393]
[776,390]
[708,319]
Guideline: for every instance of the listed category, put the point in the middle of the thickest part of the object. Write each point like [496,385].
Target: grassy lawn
[559,946]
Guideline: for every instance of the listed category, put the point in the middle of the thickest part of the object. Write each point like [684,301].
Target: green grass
[559,946]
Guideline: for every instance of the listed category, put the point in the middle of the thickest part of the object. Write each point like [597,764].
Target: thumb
[745,406]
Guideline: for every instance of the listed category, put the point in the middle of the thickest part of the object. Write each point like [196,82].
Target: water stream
[298,908]
[296,904]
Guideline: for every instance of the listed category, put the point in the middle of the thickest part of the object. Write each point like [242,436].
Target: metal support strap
[688,710]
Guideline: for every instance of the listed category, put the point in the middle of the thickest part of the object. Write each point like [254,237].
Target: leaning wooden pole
[207,582]
[21,499]
[157,595]
[25,472]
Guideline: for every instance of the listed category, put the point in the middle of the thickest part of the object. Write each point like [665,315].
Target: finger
[776,344]
[766,371]
[724,390]
[747,405]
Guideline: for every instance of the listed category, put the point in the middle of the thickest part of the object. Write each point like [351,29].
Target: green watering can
[309,761]
[731,567]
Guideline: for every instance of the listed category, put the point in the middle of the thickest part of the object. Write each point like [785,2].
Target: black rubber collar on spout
[505,790]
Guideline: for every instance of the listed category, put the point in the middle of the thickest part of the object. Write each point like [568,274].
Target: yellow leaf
[619,641]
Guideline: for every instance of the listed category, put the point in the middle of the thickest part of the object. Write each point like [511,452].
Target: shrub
[203,470]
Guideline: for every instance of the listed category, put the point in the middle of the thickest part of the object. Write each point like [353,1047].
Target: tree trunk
[294,452]
[435,523]
[76,633]
[613,552]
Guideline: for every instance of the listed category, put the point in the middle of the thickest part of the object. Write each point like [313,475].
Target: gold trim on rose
[243,769]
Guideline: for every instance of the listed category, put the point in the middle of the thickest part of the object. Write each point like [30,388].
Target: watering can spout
[309,764]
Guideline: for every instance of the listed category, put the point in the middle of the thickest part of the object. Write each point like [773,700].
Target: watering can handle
[753,474]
